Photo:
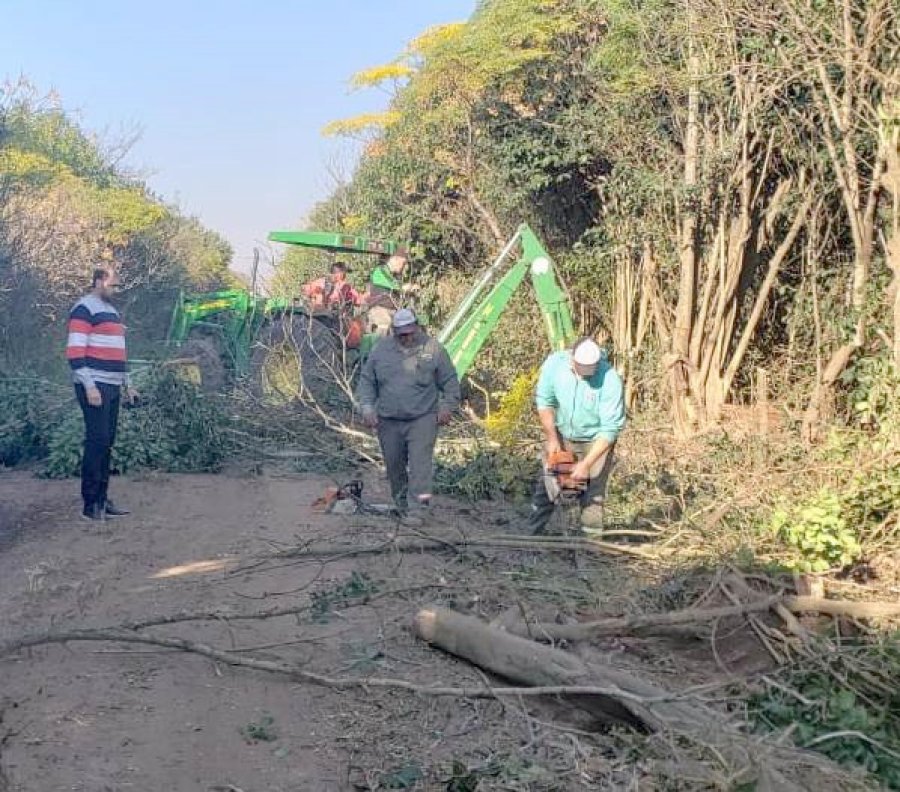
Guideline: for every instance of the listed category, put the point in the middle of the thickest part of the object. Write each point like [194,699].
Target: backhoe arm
[472,324]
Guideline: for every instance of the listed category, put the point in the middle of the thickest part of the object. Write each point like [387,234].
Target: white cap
[586,353]
[404,318]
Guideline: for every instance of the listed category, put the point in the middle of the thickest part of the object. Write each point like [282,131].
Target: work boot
[93,511]
[111,510]
[418,513]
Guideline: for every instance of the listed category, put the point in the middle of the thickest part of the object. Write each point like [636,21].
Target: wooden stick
[435,544]
[790,621]
[274,666]
[626,625]
[873,609]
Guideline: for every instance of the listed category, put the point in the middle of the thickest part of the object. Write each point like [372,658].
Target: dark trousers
[99,435]
[408,451]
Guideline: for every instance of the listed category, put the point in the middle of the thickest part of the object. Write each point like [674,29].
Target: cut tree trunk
[635,703]
[631,700]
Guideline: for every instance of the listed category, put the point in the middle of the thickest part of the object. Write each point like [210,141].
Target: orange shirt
[328,292]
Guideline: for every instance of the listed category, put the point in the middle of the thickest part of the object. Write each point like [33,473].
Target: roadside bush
[178,428]
[29,409]
[846,706]
[819,533]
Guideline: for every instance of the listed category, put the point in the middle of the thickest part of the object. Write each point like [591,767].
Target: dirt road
[104,716]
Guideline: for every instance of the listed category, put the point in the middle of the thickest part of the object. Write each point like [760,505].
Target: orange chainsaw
[558,467]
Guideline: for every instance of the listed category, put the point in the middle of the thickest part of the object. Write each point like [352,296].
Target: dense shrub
[178,428]
[29,409]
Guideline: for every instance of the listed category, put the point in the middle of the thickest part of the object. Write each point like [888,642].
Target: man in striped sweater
[96,353]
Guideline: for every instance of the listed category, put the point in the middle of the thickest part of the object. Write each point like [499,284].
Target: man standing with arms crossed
[581,406]
[408,387]
[96,353]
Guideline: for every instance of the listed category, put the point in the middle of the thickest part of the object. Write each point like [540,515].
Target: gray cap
[404,321]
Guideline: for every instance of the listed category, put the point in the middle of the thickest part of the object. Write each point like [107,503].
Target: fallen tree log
[630,625]
[635,702]
[628,699]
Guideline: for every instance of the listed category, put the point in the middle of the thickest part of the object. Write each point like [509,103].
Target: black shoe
[111,510]
[93,512]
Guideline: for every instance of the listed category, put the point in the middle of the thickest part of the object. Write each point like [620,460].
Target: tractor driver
[332,290]
[385,291]
[581,406]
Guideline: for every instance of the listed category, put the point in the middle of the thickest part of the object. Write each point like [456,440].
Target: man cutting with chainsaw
[581,406]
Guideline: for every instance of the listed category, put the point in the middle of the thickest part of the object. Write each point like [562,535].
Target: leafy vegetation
[846,706]
[485,474]
[177,428]
[30,408]
[818,532]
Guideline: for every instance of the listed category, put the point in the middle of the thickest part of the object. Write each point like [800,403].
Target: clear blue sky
[229,96]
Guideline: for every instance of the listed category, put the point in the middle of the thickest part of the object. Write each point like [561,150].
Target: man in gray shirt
[408,387]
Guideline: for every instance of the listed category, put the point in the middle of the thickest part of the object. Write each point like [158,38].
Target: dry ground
[103,716]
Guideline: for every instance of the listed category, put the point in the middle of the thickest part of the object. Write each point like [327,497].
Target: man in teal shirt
[581,406]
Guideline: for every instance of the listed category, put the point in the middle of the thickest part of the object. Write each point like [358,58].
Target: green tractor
[283,349]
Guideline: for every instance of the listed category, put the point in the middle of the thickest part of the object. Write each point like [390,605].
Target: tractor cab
[349,322]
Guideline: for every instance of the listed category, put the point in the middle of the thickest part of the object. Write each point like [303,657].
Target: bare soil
[104,716]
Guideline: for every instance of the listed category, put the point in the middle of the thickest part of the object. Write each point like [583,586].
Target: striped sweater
[96,343]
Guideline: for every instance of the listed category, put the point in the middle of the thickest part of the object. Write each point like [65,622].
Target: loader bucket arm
[195,308]
[552,298]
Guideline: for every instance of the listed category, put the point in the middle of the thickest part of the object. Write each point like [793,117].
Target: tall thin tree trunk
[891,142]
[683,403]
[765,289]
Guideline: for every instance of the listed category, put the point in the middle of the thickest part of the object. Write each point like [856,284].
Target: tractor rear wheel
[298,358]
